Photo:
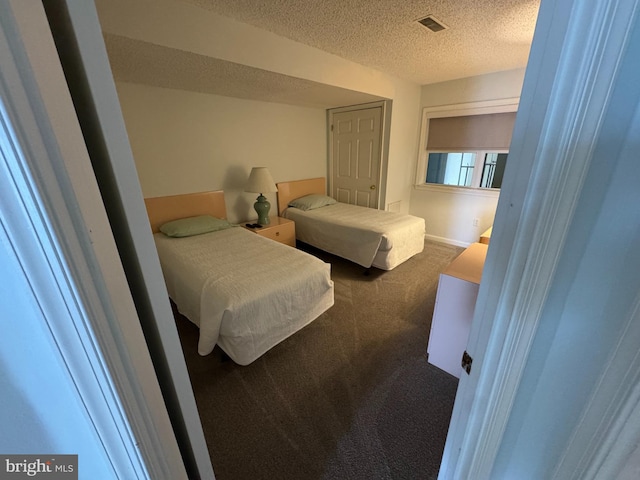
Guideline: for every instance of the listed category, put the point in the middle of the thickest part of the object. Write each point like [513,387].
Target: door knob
[372,187]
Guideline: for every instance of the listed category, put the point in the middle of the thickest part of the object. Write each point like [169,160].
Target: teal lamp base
[262,207]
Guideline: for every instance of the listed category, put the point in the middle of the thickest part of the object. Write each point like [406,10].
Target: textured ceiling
[483,36]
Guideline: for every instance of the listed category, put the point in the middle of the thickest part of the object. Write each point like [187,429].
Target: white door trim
[76,30]
[58,215]
[572,67]
[608,433]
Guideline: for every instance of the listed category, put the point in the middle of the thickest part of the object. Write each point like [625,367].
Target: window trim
[457,110]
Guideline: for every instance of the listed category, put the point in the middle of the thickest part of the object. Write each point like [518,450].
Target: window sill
[478,192]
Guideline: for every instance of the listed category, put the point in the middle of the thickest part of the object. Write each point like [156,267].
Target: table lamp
[260,181]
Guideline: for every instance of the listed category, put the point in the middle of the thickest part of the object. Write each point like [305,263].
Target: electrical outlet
[476,222]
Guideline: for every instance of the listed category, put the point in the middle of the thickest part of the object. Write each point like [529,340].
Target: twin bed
[368,237]
[246,293]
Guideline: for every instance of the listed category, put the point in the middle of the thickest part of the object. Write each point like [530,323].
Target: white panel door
[356,156]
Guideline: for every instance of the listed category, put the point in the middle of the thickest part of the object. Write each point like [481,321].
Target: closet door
[356,156]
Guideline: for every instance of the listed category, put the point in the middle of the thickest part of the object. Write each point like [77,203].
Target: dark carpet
[350,396]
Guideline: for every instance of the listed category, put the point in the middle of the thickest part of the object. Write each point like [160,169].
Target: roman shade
[473,132]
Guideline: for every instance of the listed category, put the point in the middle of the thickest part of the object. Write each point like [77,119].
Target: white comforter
[245,292]
[359,233]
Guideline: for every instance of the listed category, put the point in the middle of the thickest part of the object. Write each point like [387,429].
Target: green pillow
[309,202]
[187,227]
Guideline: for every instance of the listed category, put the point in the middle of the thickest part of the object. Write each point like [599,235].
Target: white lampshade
[260,181]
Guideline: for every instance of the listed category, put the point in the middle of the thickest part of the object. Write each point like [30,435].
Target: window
[477,169]
[466,145]
[493,170]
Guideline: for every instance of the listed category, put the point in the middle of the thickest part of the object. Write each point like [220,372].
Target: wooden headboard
[164,209]
[288,191]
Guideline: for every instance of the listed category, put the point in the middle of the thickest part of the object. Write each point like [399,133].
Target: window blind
[473,132]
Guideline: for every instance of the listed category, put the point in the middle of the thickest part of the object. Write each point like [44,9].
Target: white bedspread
[359,233]
[245,292]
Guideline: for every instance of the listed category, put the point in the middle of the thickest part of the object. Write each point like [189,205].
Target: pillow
[309,202]
[187,227]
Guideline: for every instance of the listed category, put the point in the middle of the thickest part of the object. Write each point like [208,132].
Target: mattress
[246,293]
[362,235]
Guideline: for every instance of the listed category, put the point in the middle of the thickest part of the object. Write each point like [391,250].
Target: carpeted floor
[350,396]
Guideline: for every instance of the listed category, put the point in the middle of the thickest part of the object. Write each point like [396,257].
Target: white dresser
[455,303]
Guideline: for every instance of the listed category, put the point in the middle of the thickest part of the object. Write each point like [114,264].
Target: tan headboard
[164,209]
[288,191]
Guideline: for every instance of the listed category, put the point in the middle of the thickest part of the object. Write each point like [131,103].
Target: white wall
[189,28]
[186,142]
[450,213]
[403,144]
[492,86]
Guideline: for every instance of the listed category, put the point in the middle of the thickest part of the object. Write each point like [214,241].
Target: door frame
[385,129]
[57,214]
[569,80]
[76,30]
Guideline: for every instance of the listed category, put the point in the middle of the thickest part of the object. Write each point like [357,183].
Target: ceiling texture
[481,36]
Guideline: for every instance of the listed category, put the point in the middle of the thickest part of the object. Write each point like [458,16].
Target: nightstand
[280,229]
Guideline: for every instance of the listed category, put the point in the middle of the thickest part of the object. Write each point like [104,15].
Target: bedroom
[182,116]
[604,252]
[187,138]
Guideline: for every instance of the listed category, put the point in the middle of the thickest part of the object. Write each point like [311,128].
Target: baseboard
[448,241]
